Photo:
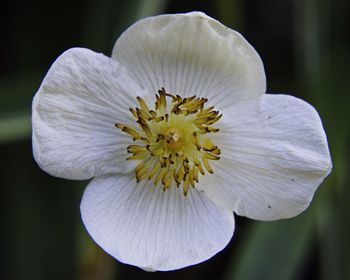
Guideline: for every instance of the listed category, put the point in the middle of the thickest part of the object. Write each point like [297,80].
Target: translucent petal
[274,156]
[144,226]
[190,54]
[81,98]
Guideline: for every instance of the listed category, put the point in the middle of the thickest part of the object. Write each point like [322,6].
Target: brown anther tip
[119,125]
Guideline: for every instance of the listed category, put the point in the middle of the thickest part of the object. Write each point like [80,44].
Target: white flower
[177,133]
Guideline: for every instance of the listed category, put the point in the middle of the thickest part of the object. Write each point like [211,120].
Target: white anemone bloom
[177,133]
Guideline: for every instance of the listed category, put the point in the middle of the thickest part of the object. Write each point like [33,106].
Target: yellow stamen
[186,185]
[143,104]
[154,170]
[175,144]
[210,156]
[206,164]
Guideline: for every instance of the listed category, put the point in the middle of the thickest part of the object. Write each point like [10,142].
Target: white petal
[192,54]
[274,156]
[144,226]
[81,98]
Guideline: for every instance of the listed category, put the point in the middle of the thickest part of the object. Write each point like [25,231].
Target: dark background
[305,49]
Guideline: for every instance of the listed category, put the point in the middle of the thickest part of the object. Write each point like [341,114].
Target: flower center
[173,142]
[173,138]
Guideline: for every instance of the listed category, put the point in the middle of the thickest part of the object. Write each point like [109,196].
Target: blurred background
[305,47]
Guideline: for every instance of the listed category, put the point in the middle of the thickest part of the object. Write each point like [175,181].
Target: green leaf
[273,250]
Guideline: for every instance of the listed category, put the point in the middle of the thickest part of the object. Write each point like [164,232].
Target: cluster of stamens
[172,143]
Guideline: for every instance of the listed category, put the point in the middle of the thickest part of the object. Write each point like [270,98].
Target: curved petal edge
[274,157]
[74,113]
[143,225]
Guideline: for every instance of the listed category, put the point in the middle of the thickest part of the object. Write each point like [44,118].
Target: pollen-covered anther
[175,147]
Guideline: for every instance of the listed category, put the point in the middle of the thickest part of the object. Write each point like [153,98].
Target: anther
[174,149]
